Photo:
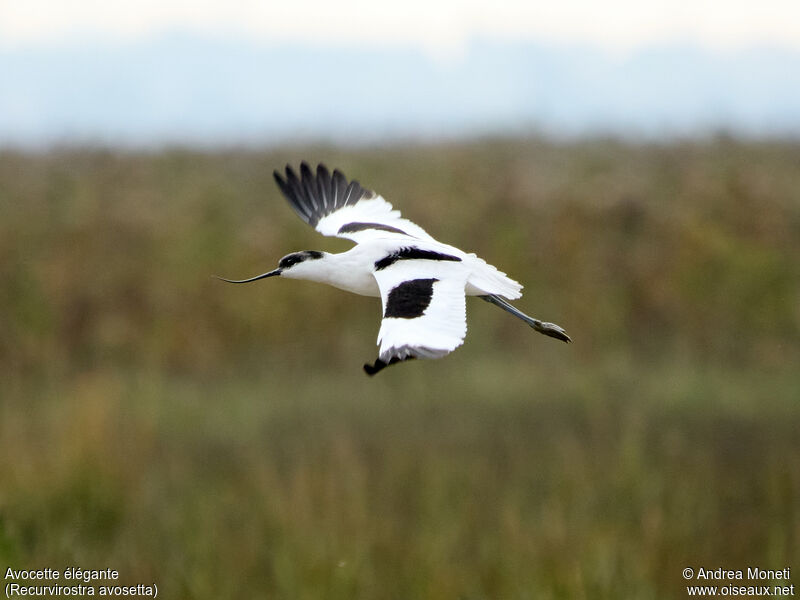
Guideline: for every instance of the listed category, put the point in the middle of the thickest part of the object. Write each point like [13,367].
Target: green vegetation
[223,441]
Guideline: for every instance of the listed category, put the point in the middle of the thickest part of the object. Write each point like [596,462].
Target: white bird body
[422,283]
[353,270]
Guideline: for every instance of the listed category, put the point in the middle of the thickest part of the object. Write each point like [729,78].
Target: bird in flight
[422,283]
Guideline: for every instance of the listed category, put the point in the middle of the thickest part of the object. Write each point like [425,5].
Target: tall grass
[223,442]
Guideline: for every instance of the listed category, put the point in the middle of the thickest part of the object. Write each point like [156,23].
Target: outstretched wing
[336,207]
[424,312]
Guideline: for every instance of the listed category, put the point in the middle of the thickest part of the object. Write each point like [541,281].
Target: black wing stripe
[359,226]
[410,299]
[316,196]
[412,253]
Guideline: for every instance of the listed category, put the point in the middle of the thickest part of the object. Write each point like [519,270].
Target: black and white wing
[333,206]
[424,309]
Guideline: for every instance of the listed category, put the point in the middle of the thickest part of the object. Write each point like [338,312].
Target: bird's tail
[486,279]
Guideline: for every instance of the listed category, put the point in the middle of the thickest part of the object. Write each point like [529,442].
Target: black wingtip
[381,365]
[372,369]
[314,195]
[279,180]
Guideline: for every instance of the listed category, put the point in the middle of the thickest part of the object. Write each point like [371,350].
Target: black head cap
[297,257]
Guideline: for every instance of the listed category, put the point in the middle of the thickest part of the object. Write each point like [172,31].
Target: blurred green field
[223,441]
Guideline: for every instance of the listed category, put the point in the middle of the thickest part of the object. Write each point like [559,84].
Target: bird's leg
[550,329]
[381,365]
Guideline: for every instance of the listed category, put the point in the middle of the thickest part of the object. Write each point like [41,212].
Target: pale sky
[439,26]
[153,71]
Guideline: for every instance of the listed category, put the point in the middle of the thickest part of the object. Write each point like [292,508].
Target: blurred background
[637,169]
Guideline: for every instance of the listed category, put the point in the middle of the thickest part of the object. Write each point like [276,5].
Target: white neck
[346,271]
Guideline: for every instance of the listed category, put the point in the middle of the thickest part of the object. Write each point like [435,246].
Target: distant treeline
[654,250]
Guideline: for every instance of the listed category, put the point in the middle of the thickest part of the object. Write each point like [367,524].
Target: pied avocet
[422,283]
